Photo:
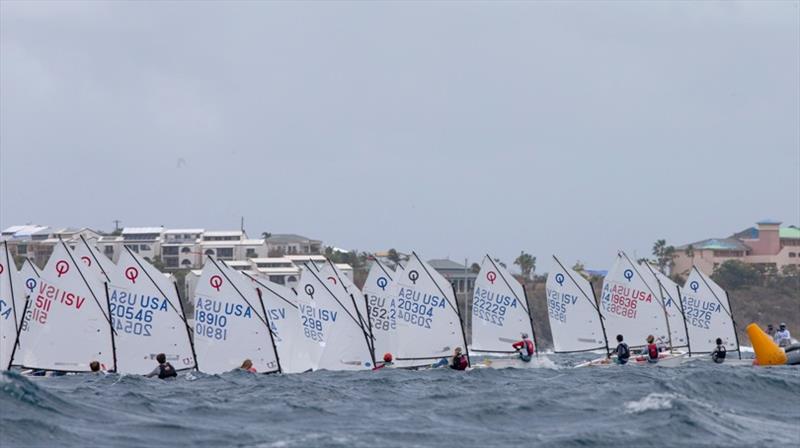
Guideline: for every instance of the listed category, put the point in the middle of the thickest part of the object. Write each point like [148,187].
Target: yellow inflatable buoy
[767,351]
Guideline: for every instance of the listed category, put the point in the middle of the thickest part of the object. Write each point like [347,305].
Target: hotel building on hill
[768,245]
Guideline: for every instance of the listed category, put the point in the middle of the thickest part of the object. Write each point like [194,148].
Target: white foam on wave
[651,402]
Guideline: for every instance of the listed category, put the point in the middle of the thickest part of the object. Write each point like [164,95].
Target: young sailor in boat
[164,369]
[94,366]
[459,361]
[247,366]
[387,361]
[650,351]
[782,336]
[524,348]
[622,351]
[771,331]
[718,355]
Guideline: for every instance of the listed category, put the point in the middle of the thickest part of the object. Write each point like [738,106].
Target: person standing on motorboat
[782,337]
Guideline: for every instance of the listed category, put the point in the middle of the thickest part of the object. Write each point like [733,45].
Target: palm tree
[526,263]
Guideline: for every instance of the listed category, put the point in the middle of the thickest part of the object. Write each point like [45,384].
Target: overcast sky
[451,129]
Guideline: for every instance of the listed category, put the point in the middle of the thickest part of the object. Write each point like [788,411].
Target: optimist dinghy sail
[500,312]
[331,331]
[708,314]
[230,323]
[12,307]
[630,307]
[281,306]
[382,312]
[69,324]
[147,315]
[96,263]
[429,325]
[672,304]
[575,319]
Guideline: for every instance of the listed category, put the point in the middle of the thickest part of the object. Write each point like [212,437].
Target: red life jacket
[529,346]
[461,363]
[652,350]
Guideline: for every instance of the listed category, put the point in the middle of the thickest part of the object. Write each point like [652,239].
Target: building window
[169,250]
[225,252]
[186,263]
[171,262]
[251,253]
[209,252]
[185,250]
[792,254]
[144,247]
[22,249]
[134,247]
[279,279]
[109,251]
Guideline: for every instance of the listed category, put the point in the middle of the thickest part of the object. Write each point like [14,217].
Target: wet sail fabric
[229,323]
[12,306]
[331,325]
[630,307]
[145,311]
[428,321]
[94,262]
[671,297]
[499,310]
[69,325]
[382,312]
[708,314]
[280,303]
[575,320]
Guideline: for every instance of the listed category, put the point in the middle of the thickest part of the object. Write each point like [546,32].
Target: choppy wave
[698,405]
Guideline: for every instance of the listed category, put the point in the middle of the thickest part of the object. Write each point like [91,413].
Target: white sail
[382,312]
[351,289]
[28,277]
[708,314]
[12,306]
[671,297]
[93,261]
[68,326]
[229,325]
[333,325]
[575,321]
[499,310]
[428,322]
[145,311]
[630,307]
[281,305]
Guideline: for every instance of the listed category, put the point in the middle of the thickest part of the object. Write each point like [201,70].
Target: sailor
[650,351]
[95,367]
[524,348]
[247,366]
[718,355]
[459,360]
[622,351]
[387,361]
[164,369]
[782,336]
[771,331]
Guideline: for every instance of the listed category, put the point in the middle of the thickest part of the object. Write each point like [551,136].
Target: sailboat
[282,308]
[230,323]
[331,331]
[429,325]
[708,314]
[632,308]
[382,311]
[69,324]
[12,307]
[500,316]
[148,317]
[576,322]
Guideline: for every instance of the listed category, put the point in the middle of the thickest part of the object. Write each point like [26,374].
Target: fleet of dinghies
[82,307]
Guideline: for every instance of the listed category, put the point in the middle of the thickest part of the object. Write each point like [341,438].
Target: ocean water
[701,404]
